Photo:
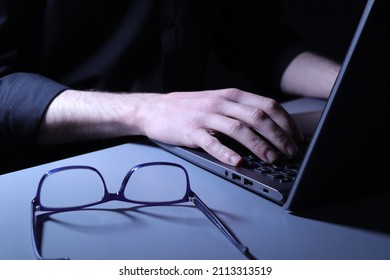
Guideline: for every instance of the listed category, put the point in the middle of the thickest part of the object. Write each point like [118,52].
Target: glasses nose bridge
[113,196]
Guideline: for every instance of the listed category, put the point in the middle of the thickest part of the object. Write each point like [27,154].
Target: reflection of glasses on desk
[72,188]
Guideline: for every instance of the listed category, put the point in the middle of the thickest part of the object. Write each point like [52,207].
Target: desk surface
[356,229]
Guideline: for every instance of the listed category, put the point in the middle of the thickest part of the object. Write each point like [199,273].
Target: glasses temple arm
[36,237]
[36,242]
[218,223]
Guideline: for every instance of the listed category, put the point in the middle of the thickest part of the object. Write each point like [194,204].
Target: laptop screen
[348,153]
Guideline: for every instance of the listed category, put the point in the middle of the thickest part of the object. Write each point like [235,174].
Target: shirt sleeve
[24,98]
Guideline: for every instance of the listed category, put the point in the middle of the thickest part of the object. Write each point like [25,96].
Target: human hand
[194,119]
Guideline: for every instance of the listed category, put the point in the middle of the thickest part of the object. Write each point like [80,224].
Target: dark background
[327,26]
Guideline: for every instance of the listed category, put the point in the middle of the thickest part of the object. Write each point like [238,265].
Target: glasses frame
[189,196]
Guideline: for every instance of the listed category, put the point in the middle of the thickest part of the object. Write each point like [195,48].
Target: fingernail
[292,149]
[271,155]
[235,159]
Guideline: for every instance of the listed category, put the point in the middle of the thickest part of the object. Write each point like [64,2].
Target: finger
[257,119]
[240,132]
[284,120]
[272,108]
[215,148]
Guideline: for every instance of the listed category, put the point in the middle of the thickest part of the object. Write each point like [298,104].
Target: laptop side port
[248,182]
[236,177]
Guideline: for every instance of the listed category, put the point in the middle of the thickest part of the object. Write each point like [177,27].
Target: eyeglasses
[72,188]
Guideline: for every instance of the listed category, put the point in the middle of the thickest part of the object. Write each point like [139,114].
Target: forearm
[81,115]
[192,119]
[310,75]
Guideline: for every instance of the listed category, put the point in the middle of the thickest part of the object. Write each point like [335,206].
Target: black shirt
[132,46]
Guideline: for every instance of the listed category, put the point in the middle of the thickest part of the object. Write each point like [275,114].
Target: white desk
[358,229]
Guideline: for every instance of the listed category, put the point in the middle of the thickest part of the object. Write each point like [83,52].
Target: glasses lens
[71,188]
[156,183]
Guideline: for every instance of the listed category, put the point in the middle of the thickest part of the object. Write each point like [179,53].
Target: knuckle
[257,114]
[213,146]
[271,104]
[208,143]
[212,103]
[221,153]
[259,145]
[189,141]
[234,126]
[279,133]
[233,93]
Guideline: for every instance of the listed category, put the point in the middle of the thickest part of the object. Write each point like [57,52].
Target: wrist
[83,115]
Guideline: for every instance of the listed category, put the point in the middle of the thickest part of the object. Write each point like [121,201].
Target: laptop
[348,149]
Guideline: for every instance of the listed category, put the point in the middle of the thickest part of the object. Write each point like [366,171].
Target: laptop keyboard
[284,170]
